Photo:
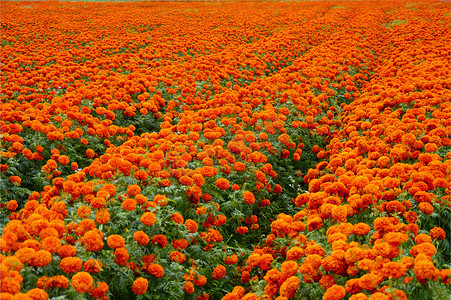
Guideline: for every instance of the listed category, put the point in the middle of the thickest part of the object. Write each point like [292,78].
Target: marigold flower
[177,218]
[148,218]
[177,256]
[140,286]
[199,180]
[219,272]
[90,153]
[437,233]
[92,266]
[115,241]
[242,229]
[141,237]
[422,196]
[180,244]
[222,183]
[129,204]
[395,238]
[12,205]
[393,269]
[200,281]
[335,292]
[248,197]
[185,180]
[426,207]
[239,166]
[12,263]
[42,258]
[423,270]
[191,225]
[63,159]
[122,256]
[160,240]
[82,282]
[102,216]
[93,240]
[155,270]
[327,281]
[188,287]
[289,287]
[361,229]
[133,190]
[25,255]
[37,294]
[370,281]
[295,253]
[15,179]
[71,264]
[314,223]
[100,291]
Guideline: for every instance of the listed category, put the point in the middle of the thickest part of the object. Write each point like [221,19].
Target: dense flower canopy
[225,150]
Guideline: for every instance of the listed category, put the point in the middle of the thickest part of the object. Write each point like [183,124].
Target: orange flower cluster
[163,142]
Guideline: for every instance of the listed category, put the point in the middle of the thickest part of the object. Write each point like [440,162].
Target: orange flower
[102,216]
[12,263]
[63,159]
[437,233]
[93,240]
[191,225]
[188,287]
[92,266]
[51,244]
[290,267]
[12,205]
[148,218]
[82,282]
[201,281]
[177,218]
[177,256]
[115,241]
[248,197]
[393,269]
[122,256]
[423,269]
[155,270]
[222,183]
[42,258]
[37,294]
[160,240]
[314,223]
[141,237]
[335,292]
[90,153]
[295,253]
[100,291]
[242,229]
[426,207]
[231,260]
[219,272]
[289,287]
[361,229]
[15,180]
[140,286]
[129,204]
[239,166]
[25,255]
[71,264]
[185,180]
[133,190]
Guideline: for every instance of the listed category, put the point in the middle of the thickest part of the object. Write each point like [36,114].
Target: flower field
[225,150]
